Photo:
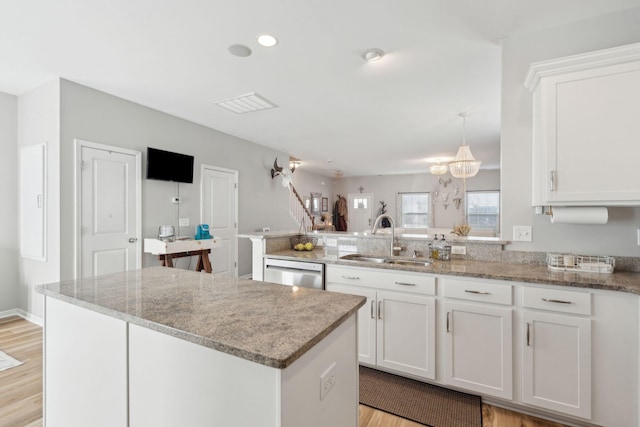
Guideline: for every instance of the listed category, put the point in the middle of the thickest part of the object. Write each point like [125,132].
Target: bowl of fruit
[302,243]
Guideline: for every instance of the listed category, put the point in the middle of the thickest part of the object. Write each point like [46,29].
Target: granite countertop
[380,235]
[527,273]
[262,322]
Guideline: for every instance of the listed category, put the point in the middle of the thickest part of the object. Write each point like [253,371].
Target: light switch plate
[459,250]
[522,233]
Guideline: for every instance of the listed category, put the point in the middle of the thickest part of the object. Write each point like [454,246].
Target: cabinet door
[406,333]
[557,363]
[366,321]
[479,348]
[584,120]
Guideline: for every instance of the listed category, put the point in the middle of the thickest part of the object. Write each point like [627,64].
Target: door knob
[133,239]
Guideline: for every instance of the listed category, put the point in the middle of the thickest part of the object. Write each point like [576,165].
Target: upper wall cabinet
[586,128]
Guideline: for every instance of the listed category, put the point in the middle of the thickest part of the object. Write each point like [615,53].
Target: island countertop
[262,322]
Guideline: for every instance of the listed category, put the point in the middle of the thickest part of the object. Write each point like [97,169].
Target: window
[483,210]
[413,210]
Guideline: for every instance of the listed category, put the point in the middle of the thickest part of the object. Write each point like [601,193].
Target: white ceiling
[388,117]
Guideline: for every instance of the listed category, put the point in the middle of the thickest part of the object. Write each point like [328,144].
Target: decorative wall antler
[444,182]
[284,173]
[276,170]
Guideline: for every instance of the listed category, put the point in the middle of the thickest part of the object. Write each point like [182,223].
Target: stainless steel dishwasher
[294,273]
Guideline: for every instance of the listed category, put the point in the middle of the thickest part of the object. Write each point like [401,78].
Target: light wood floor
[21,387]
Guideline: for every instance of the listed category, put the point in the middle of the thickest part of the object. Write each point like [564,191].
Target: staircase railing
[298,210]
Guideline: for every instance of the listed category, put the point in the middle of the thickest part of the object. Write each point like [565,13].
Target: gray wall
[618,237]
[9,244]
[38,123]
[386,187]
[95,116]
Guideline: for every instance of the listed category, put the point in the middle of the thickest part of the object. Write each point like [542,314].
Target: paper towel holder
[585,215]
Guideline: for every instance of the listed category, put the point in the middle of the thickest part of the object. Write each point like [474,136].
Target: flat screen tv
[168,166]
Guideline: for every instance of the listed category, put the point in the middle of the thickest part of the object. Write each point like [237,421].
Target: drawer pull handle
[448,330]
[373,307]
[405,284]
[552,181]
[477,292]
[557,301]
[528,335]
[350,277]
[379,309]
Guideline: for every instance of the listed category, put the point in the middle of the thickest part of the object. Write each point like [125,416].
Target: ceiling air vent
[245,103]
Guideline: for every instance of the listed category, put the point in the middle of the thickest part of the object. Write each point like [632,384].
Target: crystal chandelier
[438,169]
[464,165]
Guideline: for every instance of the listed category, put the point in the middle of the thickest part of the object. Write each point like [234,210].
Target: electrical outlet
[183,222]
[327,380]
[176,200]
[458,250]
[522,233]
[331,242]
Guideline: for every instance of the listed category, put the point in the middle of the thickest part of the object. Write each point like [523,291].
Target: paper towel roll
[581,215]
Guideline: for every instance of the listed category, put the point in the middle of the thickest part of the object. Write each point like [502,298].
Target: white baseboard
[19,312]
[245,277]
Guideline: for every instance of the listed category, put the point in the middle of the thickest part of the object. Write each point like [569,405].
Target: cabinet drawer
[475,290]
[557,300]
[377,278]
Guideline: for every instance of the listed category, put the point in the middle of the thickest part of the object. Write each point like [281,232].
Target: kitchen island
[162,346]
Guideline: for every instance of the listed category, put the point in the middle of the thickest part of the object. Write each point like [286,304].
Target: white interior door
[110,204]
[219,210]
[360,211]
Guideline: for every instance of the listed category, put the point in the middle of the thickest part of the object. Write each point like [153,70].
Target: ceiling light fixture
[372,55]
[438,169]
[464,164]
[293,163]
[267,40]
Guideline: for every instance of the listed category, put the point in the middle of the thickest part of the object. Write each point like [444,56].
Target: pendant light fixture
[464,165]
[438,169]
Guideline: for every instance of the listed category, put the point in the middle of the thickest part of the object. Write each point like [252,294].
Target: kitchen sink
[364,258]
[385,260]
[407,262]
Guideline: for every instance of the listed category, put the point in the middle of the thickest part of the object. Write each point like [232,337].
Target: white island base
[104,371]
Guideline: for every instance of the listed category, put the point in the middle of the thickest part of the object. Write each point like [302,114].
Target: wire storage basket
[301,241]
[581,263]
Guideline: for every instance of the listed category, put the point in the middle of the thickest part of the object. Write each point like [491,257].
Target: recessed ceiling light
[267,40]
[371,55]
[239,50]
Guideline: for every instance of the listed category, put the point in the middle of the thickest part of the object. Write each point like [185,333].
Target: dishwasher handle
[292,270]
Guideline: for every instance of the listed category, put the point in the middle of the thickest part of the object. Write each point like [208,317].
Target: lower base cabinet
[397,326]
[557,363]
[559,352]
[406,333]
[478,348]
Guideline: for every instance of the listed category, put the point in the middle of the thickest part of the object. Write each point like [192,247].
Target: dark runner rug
[417,401]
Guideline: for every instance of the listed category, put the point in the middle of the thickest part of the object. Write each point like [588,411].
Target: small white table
[166,251]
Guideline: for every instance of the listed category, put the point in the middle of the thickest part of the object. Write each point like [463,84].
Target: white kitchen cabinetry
[584,121]
[557,351]
[85,367]
[478,341]
[396,328]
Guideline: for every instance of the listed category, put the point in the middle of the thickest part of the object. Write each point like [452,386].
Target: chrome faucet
[392,248]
